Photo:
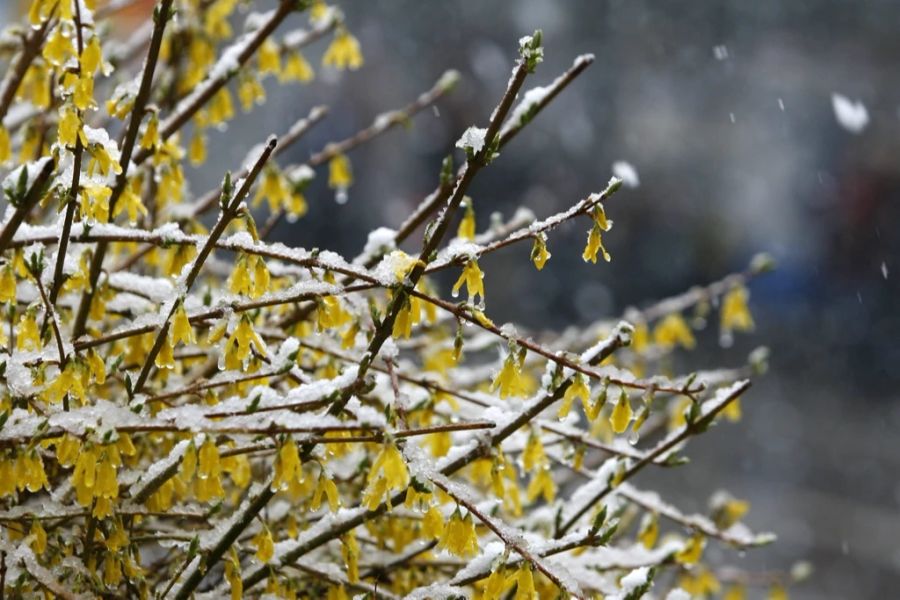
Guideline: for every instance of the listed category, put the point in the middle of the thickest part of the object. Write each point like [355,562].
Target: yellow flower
[182,332]
[165,359]
[524,579]
[621,414]
[700,583]
[595,245]
[130,201]
[41,10]
[209,472]
[38,537]
[30,472]
[541,484]
[59,47]
[459,537]
[777,592]
[534,456]
[101,158]
[388,473]
[221,107]
[273,188]
[197,149]
[269,57]
[474,280]
[592,409]
[240,282]
[70,127]
[729,511]
[326,486]
[237,350]
[7,284]
[509,379]
[337,593]
[250,92]
[150,137]
[466,228]
[28,333]
[340,175]
[107,486]
[673,330]
[640,338]
[84,477]
[67,449]
[732,410]
[735,592]
[350,553]
[95,202]
[330,313]
[343,52]
[92,56]
[539,254]
[82,88]
[233,575]
[265,545]
[180,256]
[578,389]
[296,69]
[67,382]
[408,316]
[735,313]
[5,145]
[432,523]
[692,551]
[287,467]
[317,11]
[296,206]
[649,531]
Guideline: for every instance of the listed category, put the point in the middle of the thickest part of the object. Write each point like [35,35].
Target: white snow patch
[472,139]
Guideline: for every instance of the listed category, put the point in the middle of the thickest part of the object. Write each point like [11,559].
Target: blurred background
[725,110]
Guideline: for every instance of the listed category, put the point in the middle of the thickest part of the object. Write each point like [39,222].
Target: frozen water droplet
[633,438]
[341,196]
[726,340]
[454,293]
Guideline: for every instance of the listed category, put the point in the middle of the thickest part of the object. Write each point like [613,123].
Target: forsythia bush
[189,410]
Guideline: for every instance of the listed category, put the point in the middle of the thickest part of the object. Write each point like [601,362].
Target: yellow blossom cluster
[189,408]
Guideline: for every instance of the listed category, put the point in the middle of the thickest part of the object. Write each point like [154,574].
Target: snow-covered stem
[434,200]
[32,197]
